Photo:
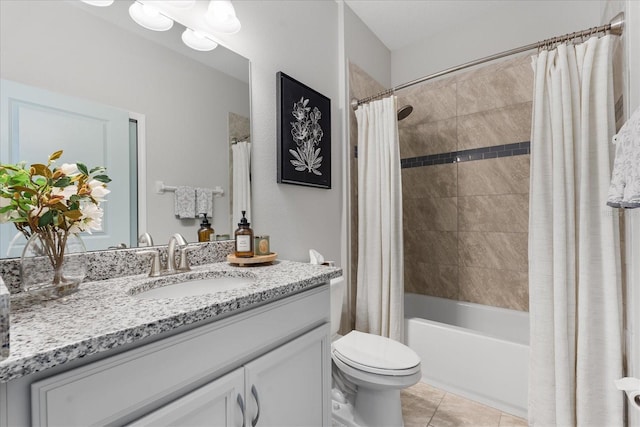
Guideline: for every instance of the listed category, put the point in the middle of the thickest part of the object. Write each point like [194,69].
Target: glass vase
[53,264]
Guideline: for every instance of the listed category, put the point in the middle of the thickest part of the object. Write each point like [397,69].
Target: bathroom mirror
[180,101]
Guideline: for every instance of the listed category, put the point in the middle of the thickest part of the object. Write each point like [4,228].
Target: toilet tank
[337,294]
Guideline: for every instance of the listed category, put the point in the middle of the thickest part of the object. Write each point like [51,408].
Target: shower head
[404,111]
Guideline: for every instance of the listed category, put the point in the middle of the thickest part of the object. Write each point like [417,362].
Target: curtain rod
[615,26]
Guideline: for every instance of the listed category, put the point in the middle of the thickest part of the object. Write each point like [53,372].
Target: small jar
[261,245]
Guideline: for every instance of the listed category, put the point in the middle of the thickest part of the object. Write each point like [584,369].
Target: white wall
[363,48]
[49,45]
[299,38]
[473,37]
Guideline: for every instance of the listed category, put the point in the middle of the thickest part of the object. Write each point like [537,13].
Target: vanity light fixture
[100,3]
[149,17]
[181,4]
[197,40]
[221,17]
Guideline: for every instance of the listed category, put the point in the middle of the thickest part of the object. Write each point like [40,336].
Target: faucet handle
[155,261]
[184,258]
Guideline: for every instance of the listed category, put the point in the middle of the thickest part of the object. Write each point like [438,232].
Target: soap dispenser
[205,232]
[244,238]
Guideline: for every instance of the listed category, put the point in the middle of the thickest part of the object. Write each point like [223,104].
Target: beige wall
[466,223]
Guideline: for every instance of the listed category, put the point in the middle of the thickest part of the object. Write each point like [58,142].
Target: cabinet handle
[241,405]
[255,396]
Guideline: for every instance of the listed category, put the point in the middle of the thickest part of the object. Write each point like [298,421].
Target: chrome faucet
[145,239]
[175,242]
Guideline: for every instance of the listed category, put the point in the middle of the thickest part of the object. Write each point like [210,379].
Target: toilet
[368,373]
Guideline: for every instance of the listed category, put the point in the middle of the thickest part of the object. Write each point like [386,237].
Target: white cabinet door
[35,122]
[219,403]
[289,386]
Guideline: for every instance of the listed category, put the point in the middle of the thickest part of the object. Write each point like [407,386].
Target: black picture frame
[304,134]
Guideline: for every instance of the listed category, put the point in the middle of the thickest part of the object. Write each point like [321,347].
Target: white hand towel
[204,202]
[624,190]
[185,202]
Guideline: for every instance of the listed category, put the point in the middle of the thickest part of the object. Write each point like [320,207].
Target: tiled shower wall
[465,221]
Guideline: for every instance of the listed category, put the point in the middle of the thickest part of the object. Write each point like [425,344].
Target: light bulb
[100,3]
[149,17]
[182,4]
[198,41]
[221,16]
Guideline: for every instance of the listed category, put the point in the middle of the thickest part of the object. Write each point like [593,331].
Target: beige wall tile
[431,279]
[494,67]
[503,212]
[506,175]
[430,213]
[421,139]
[495,127]
[430,102]
[498,288]
[362,84]
[503,251]
[508,86]
[431,181]
[435,247]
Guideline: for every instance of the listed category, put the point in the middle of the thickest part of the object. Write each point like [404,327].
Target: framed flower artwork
[304,134]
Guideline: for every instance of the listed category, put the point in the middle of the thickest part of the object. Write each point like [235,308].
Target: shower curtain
[380,282]
[574,262]
[241,153]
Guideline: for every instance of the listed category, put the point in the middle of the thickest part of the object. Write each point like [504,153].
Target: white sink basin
[195,287]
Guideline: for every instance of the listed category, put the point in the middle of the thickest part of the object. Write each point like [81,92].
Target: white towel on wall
[624,191]
[204,202]
[185,202]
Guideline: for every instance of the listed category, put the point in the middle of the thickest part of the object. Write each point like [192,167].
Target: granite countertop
[103,314]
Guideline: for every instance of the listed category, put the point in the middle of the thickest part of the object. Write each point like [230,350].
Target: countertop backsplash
[109,264]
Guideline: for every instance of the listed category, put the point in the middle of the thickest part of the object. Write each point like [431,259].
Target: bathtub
[476,351]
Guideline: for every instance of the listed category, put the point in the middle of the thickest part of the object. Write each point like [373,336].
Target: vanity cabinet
[281,388]
[273,361]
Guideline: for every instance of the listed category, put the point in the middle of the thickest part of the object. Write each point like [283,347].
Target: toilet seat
[375,354]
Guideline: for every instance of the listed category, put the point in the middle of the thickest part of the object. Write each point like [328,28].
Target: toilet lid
[375,352]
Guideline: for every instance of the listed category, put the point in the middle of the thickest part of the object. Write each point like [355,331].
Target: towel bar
[161,189]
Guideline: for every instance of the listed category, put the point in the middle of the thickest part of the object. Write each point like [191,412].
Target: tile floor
[427,406]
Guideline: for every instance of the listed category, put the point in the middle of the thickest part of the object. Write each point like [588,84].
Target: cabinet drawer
[105,391]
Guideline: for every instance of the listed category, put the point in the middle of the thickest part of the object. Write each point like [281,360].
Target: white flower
[65,192]
[98,190]
[91,217]
[69,168]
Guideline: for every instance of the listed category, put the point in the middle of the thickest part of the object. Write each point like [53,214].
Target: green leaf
[82,168]
[97,169]
[6,209]
[46,219]
[62,182]
[102,178]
